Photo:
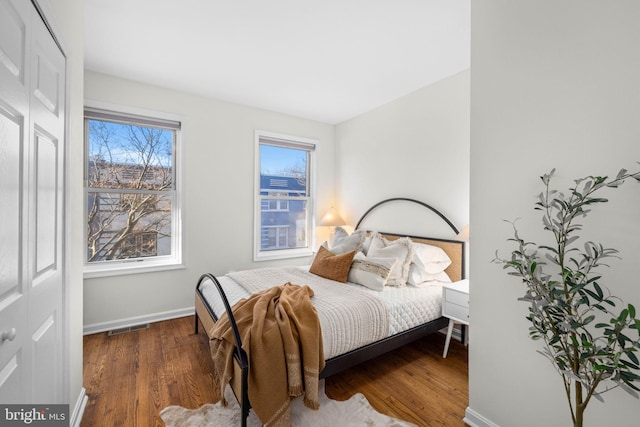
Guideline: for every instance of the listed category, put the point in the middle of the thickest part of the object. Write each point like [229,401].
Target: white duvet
[350,315]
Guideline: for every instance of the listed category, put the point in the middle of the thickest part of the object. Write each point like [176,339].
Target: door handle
[9,335]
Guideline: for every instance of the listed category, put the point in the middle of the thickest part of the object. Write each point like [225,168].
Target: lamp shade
[463,235]
[332,219]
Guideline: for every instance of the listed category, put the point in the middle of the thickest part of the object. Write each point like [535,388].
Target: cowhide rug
[356,411]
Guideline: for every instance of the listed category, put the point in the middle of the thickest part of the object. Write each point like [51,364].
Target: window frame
[98,110]
[284,141]
[282,205]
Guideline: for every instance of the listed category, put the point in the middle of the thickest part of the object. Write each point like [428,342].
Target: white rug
[356,411]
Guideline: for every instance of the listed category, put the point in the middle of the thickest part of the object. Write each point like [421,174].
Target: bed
[409,311]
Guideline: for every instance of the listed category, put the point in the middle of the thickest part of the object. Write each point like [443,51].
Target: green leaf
[599,307]
[571,240]
[594,200]
[623,315]
[631,355]
[578,287]
[629,376]
[593,295]
[549,248]
[574,342]
[603,368]
[547,177]
[598,290]
[622,339]
[622,173]
[593,279]
[629,388]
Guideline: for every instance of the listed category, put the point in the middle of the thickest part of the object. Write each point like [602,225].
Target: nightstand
[455,306]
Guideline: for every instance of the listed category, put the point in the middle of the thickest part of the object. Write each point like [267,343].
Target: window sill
[133,267]
[275,255]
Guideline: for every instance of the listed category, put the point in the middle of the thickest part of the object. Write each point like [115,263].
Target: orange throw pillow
[330,266]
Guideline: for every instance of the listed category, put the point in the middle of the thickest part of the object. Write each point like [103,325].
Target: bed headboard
[455,249]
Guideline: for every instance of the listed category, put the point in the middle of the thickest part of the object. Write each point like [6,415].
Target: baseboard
[474,419]
[78,410]
[137,320]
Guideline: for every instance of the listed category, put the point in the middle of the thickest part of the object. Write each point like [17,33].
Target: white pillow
[370,272]
[401,249]
[430,259]
[420,278]
[343,242]
[366,241]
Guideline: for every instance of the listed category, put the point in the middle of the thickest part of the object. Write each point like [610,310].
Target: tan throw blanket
[281,335]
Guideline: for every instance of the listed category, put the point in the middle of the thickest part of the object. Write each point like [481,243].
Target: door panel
[14,133]
[10,380]
[10,200]
[32,119]
[46,223]
[47,83]
[43,340]
[13,39]
[46,206]
[14,376]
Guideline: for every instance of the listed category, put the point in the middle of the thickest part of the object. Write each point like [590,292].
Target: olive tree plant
[592,347]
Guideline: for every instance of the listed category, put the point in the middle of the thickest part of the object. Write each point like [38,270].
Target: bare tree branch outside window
[131,189]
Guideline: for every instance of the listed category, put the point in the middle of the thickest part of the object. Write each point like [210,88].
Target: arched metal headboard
[431,208]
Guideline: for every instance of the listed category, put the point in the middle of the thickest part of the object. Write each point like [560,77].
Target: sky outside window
[282,161]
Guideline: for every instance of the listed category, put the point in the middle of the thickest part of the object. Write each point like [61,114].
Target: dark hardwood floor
[130,377]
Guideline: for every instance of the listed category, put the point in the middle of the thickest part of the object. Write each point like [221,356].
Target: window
[131,191]
[275,236]
[284,196]
[275,204]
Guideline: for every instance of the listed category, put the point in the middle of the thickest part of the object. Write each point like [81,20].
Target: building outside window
[275,204]
[275,237]
[131,192]
[284,202]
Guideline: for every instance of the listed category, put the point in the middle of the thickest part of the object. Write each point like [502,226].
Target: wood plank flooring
[130,377]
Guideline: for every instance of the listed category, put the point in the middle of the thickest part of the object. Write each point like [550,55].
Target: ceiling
[326,60]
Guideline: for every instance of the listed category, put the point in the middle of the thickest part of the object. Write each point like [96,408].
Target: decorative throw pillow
[332,266]
[401,249]
[370,272]
[430,259]
[344,242]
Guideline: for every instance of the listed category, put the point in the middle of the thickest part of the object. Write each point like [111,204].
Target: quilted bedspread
[350,317]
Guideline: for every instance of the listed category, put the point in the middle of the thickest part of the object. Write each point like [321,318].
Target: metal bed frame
[344,361]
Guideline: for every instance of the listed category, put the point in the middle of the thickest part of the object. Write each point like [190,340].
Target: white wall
[416,146]
[553,84]
[219,149]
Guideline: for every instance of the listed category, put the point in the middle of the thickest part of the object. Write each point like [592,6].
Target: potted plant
[593,348]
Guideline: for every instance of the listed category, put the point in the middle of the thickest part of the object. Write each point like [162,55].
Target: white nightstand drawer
[456,311]
[457,297]
[455,306]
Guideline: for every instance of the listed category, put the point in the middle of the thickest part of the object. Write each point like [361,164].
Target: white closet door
[32,76]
